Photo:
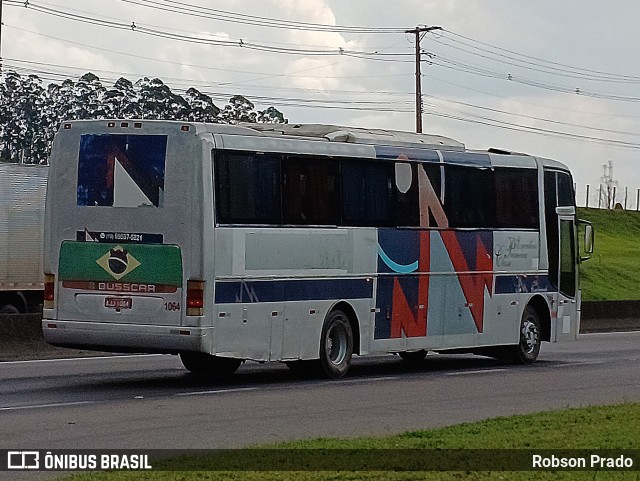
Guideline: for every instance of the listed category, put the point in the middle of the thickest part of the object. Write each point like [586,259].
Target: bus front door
[568,322]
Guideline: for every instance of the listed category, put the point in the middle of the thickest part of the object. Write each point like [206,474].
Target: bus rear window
[118,170]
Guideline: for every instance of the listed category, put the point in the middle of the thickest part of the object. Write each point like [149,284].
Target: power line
[595,77]
[461,67]
[532,117]
[478,120]
[288,74]
[537,59]
[395,106]
[190,37]
[546,106]
[183,8]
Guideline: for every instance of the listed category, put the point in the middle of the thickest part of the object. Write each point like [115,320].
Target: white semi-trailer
[22,196]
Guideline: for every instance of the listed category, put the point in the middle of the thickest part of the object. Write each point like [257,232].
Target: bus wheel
[336,344]
[413,357]
[207,365]
[527,350]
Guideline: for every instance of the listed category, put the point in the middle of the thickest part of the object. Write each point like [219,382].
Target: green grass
[596,428]
[613,272]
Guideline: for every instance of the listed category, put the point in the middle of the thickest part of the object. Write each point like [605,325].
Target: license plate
[118,303]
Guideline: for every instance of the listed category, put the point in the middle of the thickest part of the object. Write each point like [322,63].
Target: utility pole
[419,32]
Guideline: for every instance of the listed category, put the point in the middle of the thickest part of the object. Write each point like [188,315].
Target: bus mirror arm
[588,239]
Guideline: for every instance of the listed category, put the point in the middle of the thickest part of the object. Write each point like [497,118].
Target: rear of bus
[123,237]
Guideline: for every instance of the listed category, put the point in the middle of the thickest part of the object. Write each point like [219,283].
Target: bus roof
[332,133]
[357,135]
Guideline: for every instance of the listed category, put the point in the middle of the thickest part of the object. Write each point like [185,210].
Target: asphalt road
[151,402]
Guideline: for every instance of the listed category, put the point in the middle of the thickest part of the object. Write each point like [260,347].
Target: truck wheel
[336,344]
[9,309]
[204,364]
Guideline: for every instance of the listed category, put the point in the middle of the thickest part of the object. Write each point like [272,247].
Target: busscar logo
[23,460]
[118,262]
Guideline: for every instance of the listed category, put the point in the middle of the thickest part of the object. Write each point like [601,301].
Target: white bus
[305,244]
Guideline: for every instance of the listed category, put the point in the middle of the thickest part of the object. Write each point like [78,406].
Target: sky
[556,79]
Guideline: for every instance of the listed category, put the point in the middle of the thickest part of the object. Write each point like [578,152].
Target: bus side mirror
[588,240]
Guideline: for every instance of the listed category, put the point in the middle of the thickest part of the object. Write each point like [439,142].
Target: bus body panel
[124,245]
[121,283]
[277,285]
[119,238]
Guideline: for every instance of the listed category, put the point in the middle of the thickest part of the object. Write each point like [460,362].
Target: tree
[121,101]
[62,99]
[22,129]
[88,93]
[238,110]
[271,115]
[201,107]
[156,101]
[30,115]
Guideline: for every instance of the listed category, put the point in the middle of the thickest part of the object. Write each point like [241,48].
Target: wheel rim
[530,336]
[337,344]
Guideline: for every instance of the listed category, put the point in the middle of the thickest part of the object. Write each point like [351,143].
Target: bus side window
[407,207]
[517,198]
[310,191]
[247,188]
[566,196]
[367,193]
[469,197]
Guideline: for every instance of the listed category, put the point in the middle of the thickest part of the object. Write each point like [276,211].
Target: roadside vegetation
[590,429]
[613,272]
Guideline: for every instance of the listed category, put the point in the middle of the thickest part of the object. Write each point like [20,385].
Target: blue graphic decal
[466,158]
[398,250]
[121,170]
[519,283]
[426,155]
[394,153]
[292,290]
[395,267]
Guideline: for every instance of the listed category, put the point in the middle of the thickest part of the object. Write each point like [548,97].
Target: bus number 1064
[171,306]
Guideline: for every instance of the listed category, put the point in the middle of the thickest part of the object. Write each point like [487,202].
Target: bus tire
[204,364]
[413,357]
[336,344]
[527,350]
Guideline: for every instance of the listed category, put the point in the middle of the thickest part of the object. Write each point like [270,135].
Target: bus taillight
[49,290]
[195,297]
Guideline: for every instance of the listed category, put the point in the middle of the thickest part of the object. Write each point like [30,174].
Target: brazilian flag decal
[134,263]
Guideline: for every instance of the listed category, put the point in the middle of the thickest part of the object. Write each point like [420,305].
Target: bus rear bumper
[112,337]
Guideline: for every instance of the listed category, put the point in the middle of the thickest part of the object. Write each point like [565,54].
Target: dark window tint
[247,188]
[367,193]
[469,197]
[567,258]
[551,219]
[310,191]
[433,172]
[516,198]
[407,208]
[566,196]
